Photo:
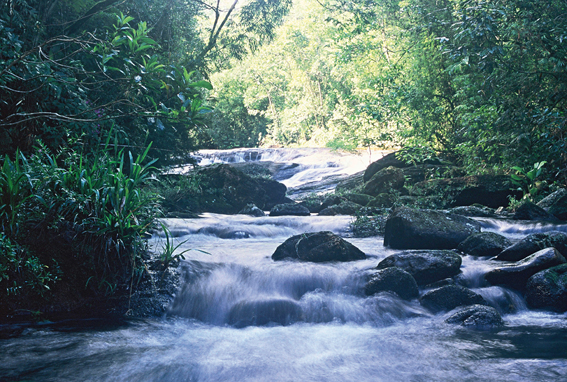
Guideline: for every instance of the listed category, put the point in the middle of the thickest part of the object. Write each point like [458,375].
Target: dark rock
[289,209]
[382,200]
[484,244]
[344,208]
[489,190]
[477,317]
[516,276]
[395,280]
[559,208]
[264,312]
[252,210]
[425,266]
[449,297]
[533,243]
[474,211]
[274,192]
[224,232]
[382,163]
[331,200]
[548,289]
[426,229]
[530,211]
[552,198]
[353,183]
[318,247]
[385,180]
[440,283]
[360,199]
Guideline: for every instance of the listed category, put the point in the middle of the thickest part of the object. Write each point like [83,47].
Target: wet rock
[474,211]
[264,312]
[331,200]
[224,233]
[548,289]
[488,190]
[449,297]
[559,208]
[386,180]
[395,280]
[427,229]
[360,199]
[552,198]
[252,210]
[318,247]
[289,209]
[484,244]
[426,267]
[477,317]
[274,192]
[382,163]
[344,208]
[530,211]
[352,183]
[516,276]
[533,243]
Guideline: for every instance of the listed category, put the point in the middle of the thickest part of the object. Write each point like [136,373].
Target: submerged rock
[318,247]
[533,243]
[548,289]
[395,280]
[289,209]
[427,229]
[385,181]
[484,244]
[449,297]
[264,312]
[516,276]
[425,266]
[477,317]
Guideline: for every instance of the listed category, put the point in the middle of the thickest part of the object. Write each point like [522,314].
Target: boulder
[489,190]
[382,163]
[533,243]
[484,244]
[559,208]
[516,275]
[289,209]
[382,200]
[426,267]
[360,199]
[449,297]
[251,210]
[530,211]
[385,180]
[264,312]
[352,183]
[274,192]
[331,200]
[474,211]
[477,317]
[548,289]
[318,247]
[395,280]
[344,208]
[552,198]
[427,229]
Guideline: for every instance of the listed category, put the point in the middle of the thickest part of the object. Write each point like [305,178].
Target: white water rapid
[325,328]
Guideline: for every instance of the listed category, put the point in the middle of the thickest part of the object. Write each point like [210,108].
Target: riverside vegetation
[97,96]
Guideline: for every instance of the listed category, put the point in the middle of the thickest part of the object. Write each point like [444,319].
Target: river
[341,335]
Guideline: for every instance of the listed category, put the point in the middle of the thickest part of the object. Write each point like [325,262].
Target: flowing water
[324,328]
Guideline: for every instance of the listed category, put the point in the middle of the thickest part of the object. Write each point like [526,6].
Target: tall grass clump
[73,219]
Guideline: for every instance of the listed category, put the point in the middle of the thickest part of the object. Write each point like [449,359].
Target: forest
[97,96]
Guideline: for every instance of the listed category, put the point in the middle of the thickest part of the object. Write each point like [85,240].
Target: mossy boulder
[533,243]
[426,267]
[477,317]
[293,209]
[389,160]
[484,244]
[318,247]
[427,229]
[360,199]
[516,275]
[382,200]
[488,190]
[386,180]
[344,208]
[548,289]
[450,297]
[394,280]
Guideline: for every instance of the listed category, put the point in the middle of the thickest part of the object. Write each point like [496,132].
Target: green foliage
[527,180]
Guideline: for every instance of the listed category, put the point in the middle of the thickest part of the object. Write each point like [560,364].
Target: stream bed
[339,335]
